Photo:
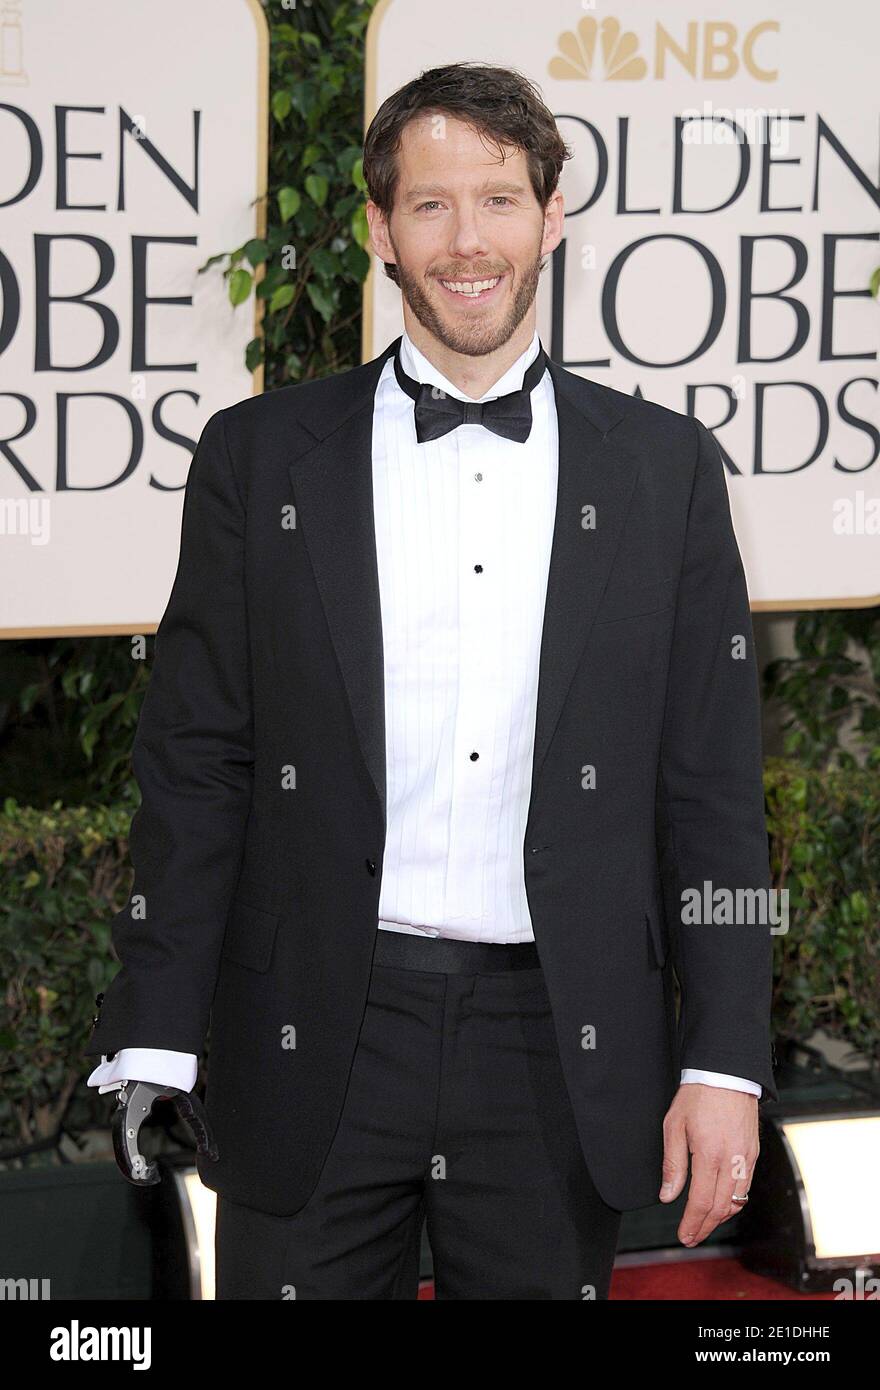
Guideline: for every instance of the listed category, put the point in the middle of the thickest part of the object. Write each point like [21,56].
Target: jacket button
[371,866]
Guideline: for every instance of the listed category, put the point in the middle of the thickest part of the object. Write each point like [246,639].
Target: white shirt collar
[417,365]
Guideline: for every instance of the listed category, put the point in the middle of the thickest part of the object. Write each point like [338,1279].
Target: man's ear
[379,238]
[554,224]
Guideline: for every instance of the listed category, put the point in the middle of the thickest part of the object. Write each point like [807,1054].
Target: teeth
[476,287]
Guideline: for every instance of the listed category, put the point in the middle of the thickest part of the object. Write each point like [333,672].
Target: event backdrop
[132,148]
[721,232]
[722,215]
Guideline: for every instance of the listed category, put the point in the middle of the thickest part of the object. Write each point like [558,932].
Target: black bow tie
[436,413]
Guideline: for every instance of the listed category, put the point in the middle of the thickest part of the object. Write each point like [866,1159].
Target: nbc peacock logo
[619,48]
[707,50]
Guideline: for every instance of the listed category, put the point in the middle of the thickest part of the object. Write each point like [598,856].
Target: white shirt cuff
[719,1078]
[153,1064]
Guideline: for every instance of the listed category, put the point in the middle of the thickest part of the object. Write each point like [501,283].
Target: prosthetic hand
[134,1103]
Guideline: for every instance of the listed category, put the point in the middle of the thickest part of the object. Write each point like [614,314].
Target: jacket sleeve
[710,797]
[193,760]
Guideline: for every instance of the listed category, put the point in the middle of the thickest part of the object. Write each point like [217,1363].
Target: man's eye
[435,203]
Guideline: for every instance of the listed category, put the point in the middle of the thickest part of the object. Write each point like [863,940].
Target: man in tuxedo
[454,703]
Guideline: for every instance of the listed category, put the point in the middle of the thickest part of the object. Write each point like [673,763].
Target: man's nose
[467,239]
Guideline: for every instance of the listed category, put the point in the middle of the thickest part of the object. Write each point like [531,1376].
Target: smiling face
[467,235]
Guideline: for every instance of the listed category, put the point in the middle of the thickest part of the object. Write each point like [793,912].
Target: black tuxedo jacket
[260,755]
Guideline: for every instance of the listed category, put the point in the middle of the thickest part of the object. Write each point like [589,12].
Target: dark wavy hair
[499,103]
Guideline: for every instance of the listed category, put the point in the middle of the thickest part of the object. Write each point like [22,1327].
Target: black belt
[404,949]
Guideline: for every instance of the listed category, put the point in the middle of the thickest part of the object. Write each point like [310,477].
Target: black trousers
[456,1113]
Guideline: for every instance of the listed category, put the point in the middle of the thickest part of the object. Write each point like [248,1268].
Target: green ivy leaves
[309,268]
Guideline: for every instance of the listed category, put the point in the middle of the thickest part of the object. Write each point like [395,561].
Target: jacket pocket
[658,933]
[250,935]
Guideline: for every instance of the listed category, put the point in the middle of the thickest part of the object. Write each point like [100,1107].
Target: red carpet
[721,1279]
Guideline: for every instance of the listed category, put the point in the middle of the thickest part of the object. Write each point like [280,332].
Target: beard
[474,336]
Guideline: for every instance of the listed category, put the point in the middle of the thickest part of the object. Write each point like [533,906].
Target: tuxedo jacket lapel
[332,486]
[332,491]
[593,472]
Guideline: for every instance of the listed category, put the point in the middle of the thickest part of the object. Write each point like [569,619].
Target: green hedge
[825,849]
[66,873]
